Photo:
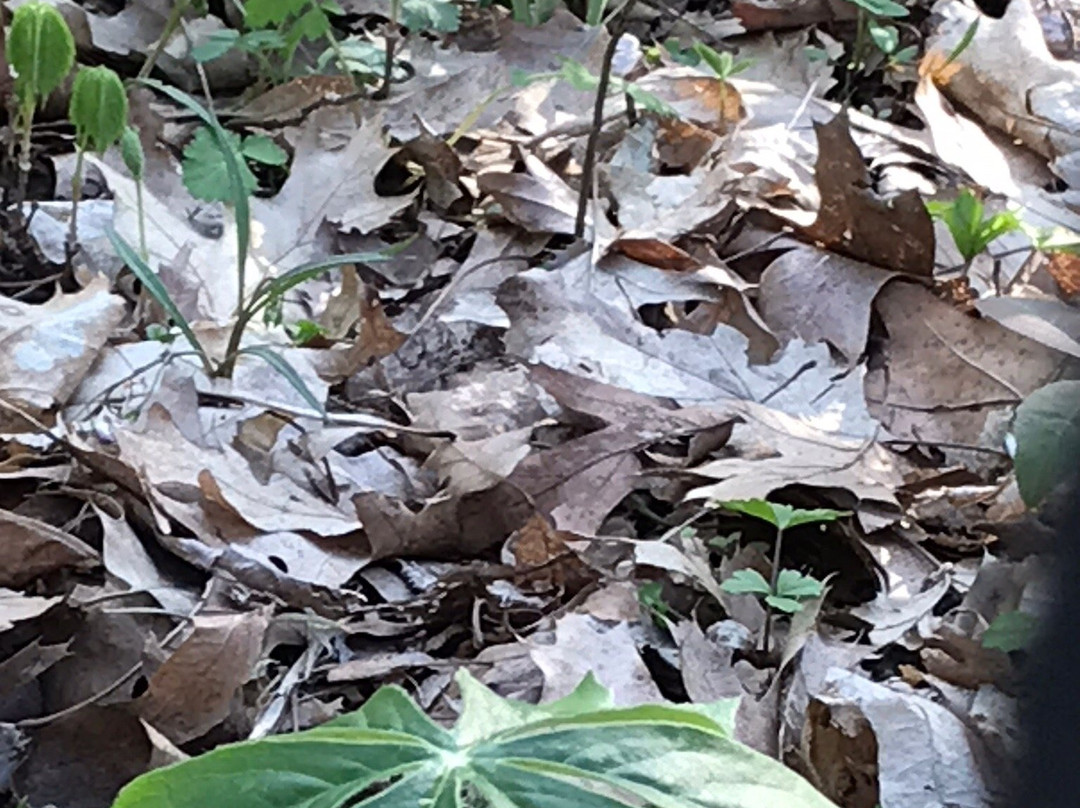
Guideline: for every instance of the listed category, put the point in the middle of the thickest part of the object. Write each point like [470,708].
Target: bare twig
[617,25]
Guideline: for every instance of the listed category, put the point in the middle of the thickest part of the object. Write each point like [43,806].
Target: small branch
[617,26]
[774,577]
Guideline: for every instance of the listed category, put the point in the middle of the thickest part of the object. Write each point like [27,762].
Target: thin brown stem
[587,168]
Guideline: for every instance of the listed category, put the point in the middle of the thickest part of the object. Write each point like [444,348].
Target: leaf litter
[525,435]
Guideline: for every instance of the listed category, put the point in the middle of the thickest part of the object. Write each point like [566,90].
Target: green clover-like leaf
[746,582]
[793,584]
[781,516]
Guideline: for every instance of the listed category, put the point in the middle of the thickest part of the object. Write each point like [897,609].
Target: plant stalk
[774,577]
[391,48]
[617,26]
[76,195]
[171,24]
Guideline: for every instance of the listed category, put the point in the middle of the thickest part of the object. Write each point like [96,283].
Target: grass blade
[282,366]
[157,290]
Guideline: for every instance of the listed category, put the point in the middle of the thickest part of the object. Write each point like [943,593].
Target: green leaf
[594,12]
[256,41]
[131,151]
[1047,430]
[216,45]
[263,150]
[882,8]
[746,582]
[1010,631]
[40,49]
[206,170]
[312,25]
[150,281]
[430,15]
[267,13]
[964,218]
[577,752]
[274,288]
[304,331]
[905,55]
[781,516]
[886,37]
[783,604]
[98,108]
[793,584]
[279,363]
[233,164]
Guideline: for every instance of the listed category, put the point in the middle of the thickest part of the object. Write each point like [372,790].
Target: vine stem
[617,25]
[166,34]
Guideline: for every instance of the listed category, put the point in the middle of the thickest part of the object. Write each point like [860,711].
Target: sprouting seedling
[723,64]
[131,151]
[41,51]
[786,589]
[972,231]
[98,111]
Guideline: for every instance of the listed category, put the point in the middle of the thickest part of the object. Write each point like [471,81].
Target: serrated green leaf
[746,582]
[98,108]
[216,45]
[1047,431]
[783,604]
[131,151]
[390,755]
[150,281]
[206,171]
[40,49]
[1010,631]
[279,363]
[793,584]
[263,150]
[430,15]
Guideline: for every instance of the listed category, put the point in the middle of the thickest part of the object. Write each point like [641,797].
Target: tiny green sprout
[98,111]
[41,51]
[304,331]
[723,64]
[787,589]
[972,231]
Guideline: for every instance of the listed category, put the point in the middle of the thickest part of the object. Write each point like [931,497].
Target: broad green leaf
[783,604]
[131,151]
[574,753]
[430,15]
[40,49]
[267,13]
[150,281]
[1010,631]
[781,516]
[216,45]
[793,584]
[1047,431]
[594,12]
[312,25]
[98,108]
[263,150]
[275,360]
[905,55]
[206,170]
[746,582]
[882,8]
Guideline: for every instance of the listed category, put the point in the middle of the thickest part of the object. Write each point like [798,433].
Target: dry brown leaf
[193,691]
[1064,268]
[15,607]
[893,234]
[31,548]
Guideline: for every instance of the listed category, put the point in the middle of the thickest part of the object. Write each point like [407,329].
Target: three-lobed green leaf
[205,165]
[579,751]
[40,49]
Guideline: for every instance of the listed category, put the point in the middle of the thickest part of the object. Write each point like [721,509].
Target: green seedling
[41,52]
[131,151]
[787,589]
[98,111]
[578,77]
[206,175]
[304,331]
[723,64]
[578,751]
[887,40]
[235,192]
[972,231]
[651,598]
